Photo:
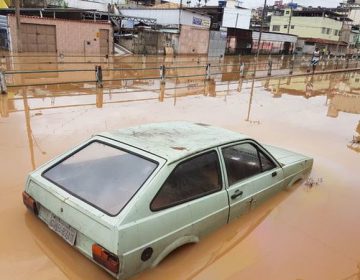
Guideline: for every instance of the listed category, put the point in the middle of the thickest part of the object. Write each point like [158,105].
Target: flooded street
[308,232]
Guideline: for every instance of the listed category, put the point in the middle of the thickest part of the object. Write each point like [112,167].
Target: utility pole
[181,5]
[18,24]
[261,30]
[291,10]
[264,12]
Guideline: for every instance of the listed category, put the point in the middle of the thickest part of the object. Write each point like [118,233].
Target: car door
[195,183]
[251,176]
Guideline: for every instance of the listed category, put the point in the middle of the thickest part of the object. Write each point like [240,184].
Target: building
[184,30]
[314,27]
[354,40]
[243,41]
[274,43]
[171,17]
[99,5]
[235,16]
[60,36]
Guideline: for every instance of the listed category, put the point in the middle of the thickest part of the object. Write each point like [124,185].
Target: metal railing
[246,70]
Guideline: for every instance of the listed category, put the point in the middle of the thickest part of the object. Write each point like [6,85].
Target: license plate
[67,232]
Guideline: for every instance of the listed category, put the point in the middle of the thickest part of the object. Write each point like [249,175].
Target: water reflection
[341,90]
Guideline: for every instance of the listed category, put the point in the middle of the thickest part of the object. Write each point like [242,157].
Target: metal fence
[158,70]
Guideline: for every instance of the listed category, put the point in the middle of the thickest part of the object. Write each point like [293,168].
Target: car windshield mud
[101,175]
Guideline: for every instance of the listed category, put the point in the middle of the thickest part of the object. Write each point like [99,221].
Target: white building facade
[100,5]
[236,16]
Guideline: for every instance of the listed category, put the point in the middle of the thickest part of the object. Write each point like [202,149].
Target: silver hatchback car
[127,199]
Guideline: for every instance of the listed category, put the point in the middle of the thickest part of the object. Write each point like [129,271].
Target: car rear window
[103,176]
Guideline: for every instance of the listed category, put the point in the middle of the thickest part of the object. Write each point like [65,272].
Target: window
[328,30]
[101,175]
[336,32]
[276,28]
[292,27]
[285,26]
[266,163]
[191,179]
[323,30]
[243,161]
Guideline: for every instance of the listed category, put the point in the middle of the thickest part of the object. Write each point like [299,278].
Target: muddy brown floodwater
[308,232]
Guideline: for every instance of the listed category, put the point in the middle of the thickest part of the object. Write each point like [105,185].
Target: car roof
[174,140]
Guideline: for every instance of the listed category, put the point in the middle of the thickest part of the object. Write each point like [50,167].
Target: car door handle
[237,194]
[274,174]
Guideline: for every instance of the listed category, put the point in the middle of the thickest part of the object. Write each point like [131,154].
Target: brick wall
[72,37]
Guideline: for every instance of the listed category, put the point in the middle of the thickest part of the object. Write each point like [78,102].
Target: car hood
[284,156]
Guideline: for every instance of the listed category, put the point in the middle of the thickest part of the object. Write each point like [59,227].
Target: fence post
[208,72]
[98,76]
[337,62]
[162,73]
[3,87]
[162,91]
[292,63]
[269,66]
[242,69]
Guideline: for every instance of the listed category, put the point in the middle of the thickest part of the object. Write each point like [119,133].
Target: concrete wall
[308,27]
[217,43]
[193,40]
[151,42]
[72,37]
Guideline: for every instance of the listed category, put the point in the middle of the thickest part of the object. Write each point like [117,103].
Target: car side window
[243,161]
[191,179]
[266,163]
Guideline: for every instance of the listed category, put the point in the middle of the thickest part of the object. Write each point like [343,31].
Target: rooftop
[174,140]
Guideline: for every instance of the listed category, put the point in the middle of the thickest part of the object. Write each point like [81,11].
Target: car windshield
[103,176]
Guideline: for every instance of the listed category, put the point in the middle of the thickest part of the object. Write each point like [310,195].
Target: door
[104,41]
[38,38]
[195,183]
[287,46]
[252,176]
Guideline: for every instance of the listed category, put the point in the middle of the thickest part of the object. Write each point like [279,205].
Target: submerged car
[127,199]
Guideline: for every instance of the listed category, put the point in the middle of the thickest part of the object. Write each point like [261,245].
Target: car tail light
[105,258]
[29,202]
